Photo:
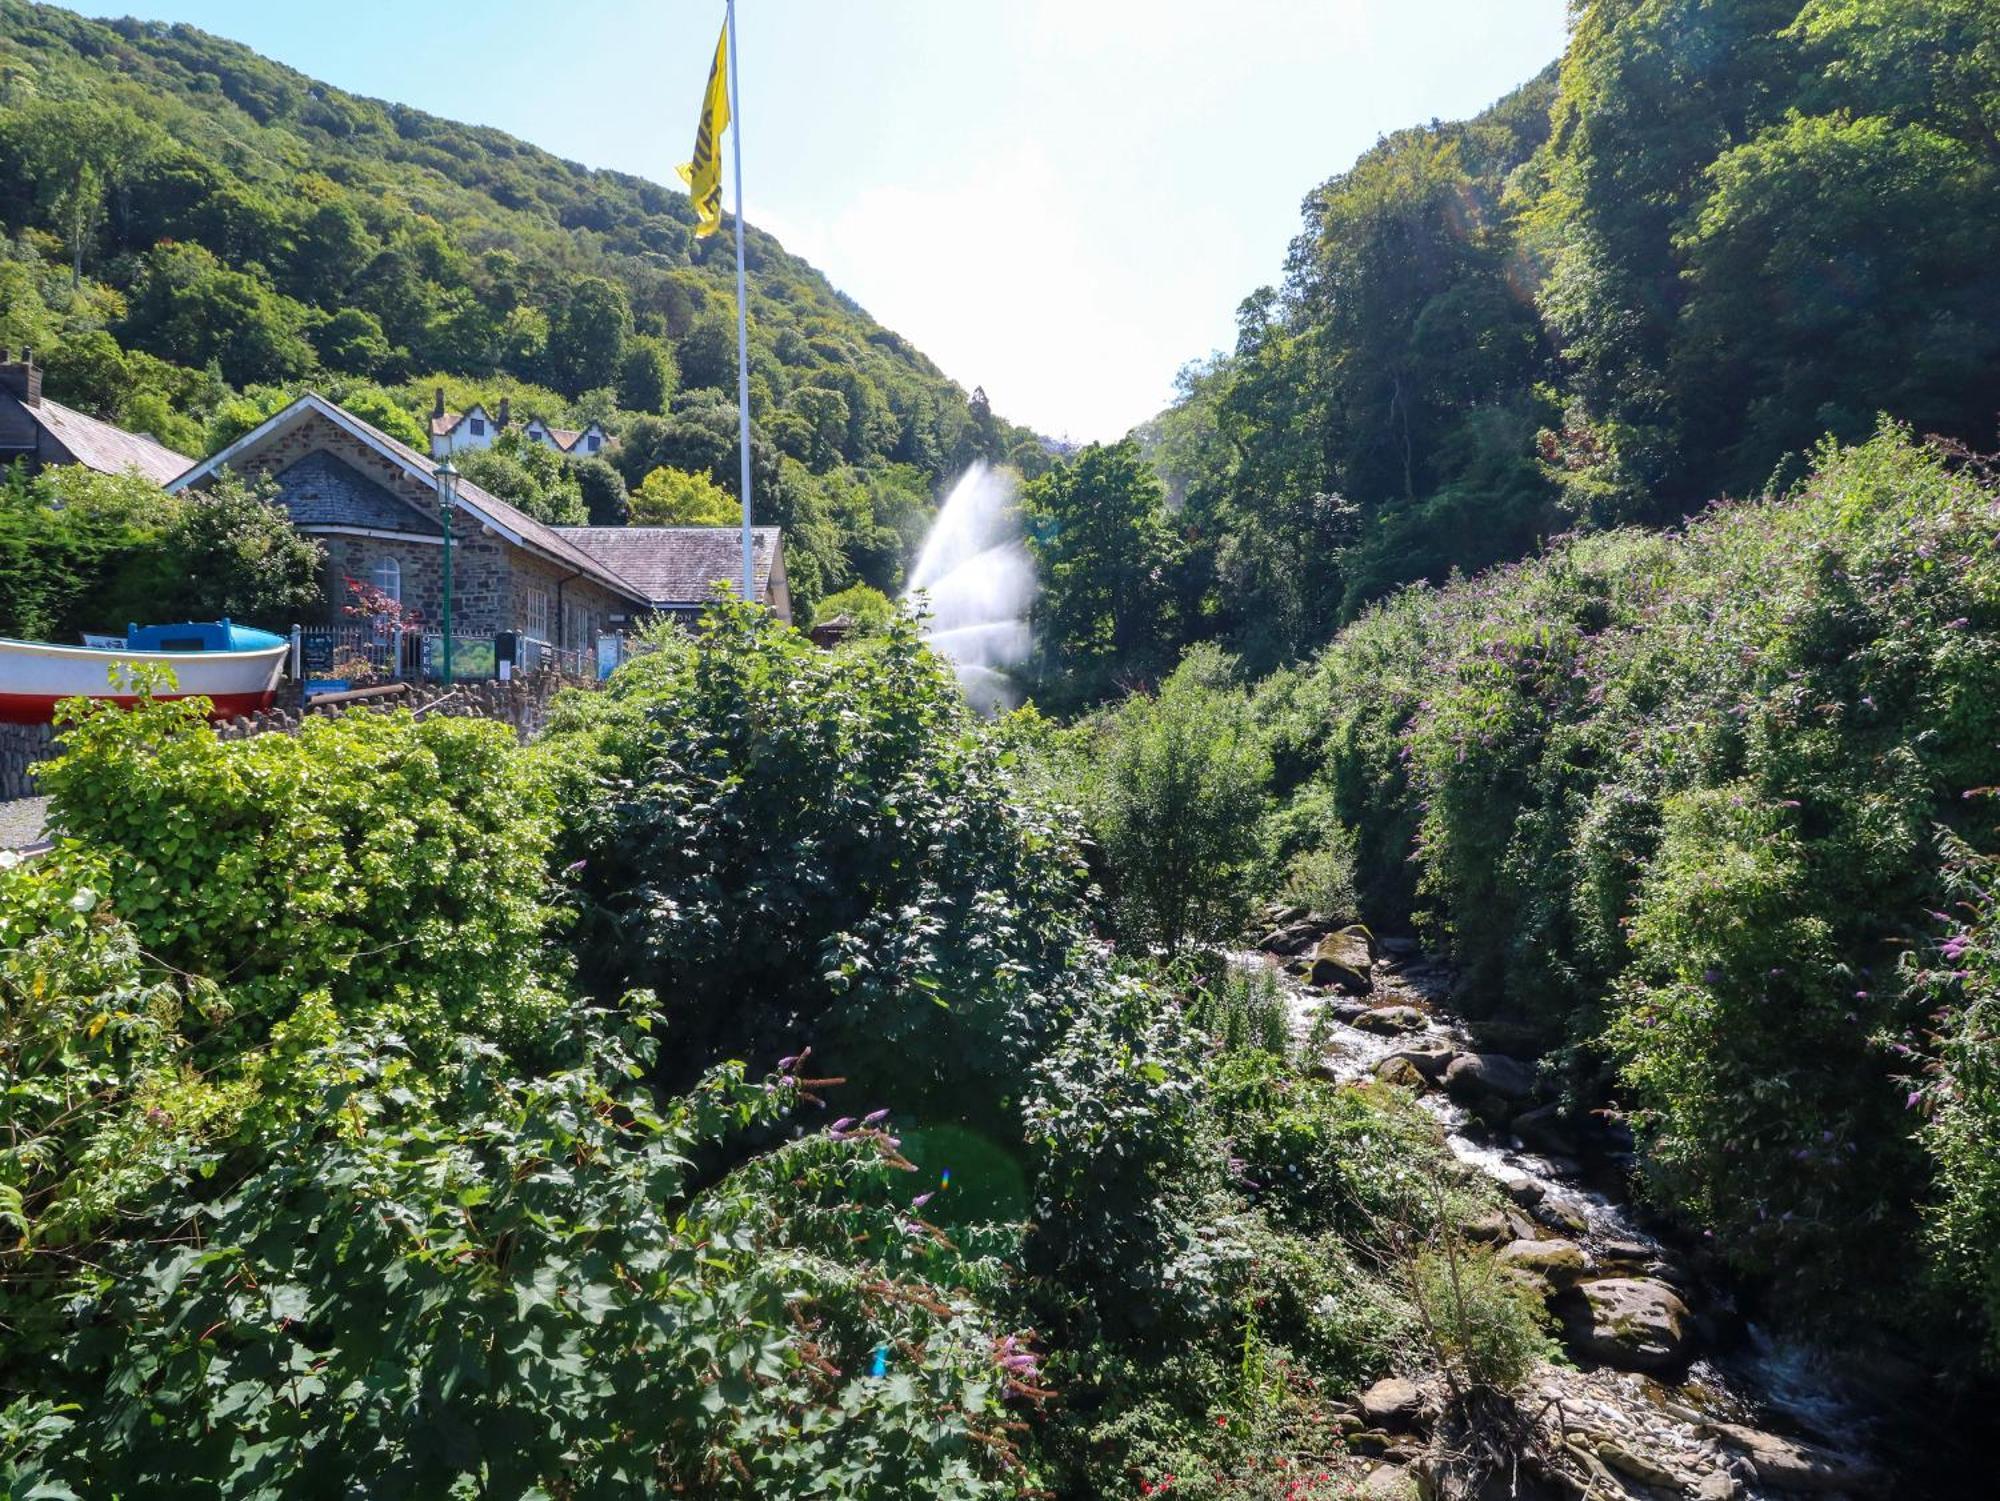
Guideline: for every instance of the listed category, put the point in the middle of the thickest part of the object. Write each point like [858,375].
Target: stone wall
[522,704]
[22,748]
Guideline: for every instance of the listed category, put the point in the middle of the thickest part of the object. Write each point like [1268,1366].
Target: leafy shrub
[395,865]
[524,1285]
[1483,1324]
[1322,879]
[793,848]
[1175,803]
[1672,799]
[870,610]
[1955,983]
[1239,1008]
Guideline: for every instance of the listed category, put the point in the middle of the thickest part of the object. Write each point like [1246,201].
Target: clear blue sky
[1062,200]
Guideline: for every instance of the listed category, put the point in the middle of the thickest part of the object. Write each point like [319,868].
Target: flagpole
[742,306]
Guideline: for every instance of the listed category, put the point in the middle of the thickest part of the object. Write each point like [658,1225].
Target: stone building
[40,432]
[371,502]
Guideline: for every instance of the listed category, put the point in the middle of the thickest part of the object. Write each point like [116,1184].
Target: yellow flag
[703,175]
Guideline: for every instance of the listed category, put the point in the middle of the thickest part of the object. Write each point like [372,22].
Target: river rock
[1523,1190]
[1388,1483]
[1344,962]
[1787,1464]
[1640,1467]
[1293,938]
[1717,1485]
[1564,1216]
[1400,948]
[1544,1130]
[1387,1021]
[1635,1323]
[1393,1404]
[1473,1075]
[1556,1264]
[1399,1071]
[1429,1056]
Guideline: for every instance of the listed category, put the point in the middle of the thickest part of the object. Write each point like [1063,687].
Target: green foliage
[1952,983]
[1174,799]
[232,552]
[1712,236]
[795,848]
[869,610]
[1102,548]
[1485,1325]
[524,1284]
[392,867]
[528,474]
[673,497]
[1672,800]
[85,551]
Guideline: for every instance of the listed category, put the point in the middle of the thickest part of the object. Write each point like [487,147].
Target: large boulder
[1475,1076]
[1394,1404]
[1292,938]
[1344,962]
[1552,1264]
[1388,1021]
[1429,1056]
[1399,1071]
[1634,1323]
[1789,1464]
[1545,1130]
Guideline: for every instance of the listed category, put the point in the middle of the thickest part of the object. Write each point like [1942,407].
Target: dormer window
[478,427]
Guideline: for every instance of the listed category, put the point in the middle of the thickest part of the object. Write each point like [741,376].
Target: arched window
[389,578]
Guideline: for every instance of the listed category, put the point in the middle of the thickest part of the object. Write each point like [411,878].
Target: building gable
[321,490]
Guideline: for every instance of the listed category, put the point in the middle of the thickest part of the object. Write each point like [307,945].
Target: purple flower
[1911,1102]
[845,1123]
[575,867]
[1711,977]
[875,1118]
[922,1199]
[786,1065]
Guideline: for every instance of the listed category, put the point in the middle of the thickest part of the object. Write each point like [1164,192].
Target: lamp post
[447,483]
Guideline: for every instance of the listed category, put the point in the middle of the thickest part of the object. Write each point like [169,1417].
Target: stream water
[1744,1374]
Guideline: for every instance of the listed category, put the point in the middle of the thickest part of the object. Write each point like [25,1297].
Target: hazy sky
[1061,200]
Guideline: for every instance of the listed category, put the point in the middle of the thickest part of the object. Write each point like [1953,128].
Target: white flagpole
[742,308]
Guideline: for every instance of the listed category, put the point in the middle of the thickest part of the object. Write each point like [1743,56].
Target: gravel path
[21,822]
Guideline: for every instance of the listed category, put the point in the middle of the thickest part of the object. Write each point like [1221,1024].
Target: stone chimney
[504,417]
[20,378]
[438,410]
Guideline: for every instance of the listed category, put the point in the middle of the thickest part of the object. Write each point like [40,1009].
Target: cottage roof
[679,565]
[108,449]
[509,521]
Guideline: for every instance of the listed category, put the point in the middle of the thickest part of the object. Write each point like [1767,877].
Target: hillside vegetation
[186,221]
[1710,236]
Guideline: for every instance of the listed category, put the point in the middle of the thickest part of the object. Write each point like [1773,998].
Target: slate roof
[548,540]
[679,565]
[107,449]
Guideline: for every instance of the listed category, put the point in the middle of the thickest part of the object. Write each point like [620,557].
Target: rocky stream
[1669,1392]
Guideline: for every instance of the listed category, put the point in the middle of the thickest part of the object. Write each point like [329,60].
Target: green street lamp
[447,483]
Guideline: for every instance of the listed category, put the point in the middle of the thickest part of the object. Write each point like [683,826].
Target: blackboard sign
[316,652]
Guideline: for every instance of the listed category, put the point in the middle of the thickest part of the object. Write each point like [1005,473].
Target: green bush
[796,849]
[394,866]
[1671,801]
[438,1283]
[1175,799]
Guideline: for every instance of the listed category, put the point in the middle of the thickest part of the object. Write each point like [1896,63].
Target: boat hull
[35,676]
